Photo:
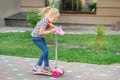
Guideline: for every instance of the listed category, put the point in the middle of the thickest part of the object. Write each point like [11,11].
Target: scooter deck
[42,73]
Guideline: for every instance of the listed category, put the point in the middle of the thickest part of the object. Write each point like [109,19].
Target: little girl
[43,27]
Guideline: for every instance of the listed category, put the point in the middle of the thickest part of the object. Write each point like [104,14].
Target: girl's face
[53,19]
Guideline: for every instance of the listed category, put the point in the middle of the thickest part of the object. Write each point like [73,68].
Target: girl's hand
[58,30]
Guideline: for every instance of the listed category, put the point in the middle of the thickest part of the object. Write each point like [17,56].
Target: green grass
[71,47]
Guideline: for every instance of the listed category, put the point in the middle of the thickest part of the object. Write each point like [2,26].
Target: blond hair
[49,11]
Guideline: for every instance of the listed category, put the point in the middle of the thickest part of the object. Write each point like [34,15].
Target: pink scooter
[57,71]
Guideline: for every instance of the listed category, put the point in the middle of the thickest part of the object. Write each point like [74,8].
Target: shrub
[98,41]
[33,18]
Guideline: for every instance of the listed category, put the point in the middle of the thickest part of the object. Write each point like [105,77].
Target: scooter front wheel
[55,74]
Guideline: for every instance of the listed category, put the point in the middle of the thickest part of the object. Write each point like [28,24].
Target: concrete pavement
[69,29]
[17,68]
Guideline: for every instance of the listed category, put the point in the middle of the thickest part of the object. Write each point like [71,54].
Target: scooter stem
[56,54]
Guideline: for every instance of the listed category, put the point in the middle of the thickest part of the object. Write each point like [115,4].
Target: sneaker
[48,69]
[37,68]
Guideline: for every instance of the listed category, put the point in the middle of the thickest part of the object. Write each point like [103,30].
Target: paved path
[17,68]
[69,29]
[4,29]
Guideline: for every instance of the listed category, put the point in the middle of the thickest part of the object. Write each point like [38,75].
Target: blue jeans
[41,43]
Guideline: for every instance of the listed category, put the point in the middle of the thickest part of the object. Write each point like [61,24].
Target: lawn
[71,47]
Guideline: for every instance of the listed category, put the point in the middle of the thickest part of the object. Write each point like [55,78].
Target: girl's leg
[40,42]
[44,55]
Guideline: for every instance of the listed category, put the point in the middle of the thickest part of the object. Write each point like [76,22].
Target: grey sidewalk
[69,29]
[17,68]
[14,29]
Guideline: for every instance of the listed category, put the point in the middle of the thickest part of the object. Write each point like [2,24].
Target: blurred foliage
[33,18]
[98,41]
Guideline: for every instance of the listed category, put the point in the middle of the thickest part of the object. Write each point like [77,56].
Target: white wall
[28,5]
[7,8]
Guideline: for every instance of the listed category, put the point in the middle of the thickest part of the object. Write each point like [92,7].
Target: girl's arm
[53,26]
[43,32]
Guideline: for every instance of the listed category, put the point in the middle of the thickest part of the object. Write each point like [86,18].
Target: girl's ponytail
[43,11]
